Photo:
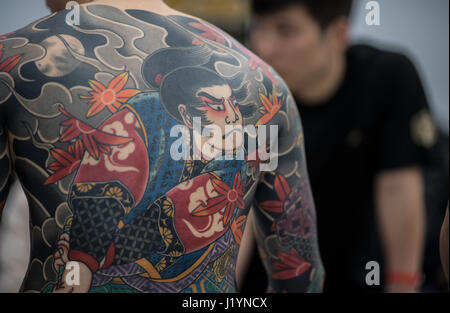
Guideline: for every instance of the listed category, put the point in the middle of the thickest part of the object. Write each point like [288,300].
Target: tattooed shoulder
[140,140]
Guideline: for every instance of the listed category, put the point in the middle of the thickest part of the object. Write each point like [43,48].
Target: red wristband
[410,279]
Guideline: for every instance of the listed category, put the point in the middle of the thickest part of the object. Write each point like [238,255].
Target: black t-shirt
[378,120]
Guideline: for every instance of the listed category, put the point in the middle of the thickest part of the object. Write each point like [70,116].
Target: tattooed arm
[6,64]
[5,167]
[284,216]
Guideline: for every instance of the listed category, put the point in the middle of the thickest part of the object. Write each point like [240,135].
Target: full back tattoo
[86,116]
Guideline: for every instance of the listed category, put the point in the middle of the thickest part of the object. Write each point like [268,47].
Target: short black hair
[178,73]
[323,11]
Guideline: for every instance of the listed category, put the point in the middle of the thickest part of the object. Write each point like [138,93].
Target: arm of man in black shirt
[406,134]
[401,212]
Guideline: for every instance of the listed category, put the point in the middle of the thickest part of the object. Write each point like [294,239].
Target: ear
[339,33]
[187,119]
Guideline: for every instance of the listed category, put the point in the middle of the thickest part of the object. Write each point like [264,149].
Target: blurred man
[92,120]
[367,129]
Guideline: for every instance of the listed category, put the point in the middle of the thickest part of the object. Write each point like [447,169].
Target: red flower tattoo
[11,62]
[270,107]
[282,190]
[290,265]
[111,97]
[236,228]
[5,36]
[95,141]
[66,162]
[209,33]
[228,198]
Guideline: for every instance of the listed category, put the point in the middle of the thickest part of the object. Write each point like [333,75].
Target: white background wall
[419,28]
[15,14]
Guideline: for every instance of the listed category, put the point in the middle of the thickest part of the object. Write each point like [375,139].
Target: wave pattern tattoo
[86,115]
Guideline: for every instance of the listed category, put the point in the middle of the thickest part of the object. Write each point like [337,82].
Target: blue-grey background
[420,29]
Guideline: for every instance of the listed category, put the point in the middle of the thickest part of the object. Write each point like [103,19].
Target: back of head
[323,11]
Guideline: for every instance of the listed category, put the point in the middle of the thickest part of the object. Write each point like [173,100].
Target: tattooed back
[142,142]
